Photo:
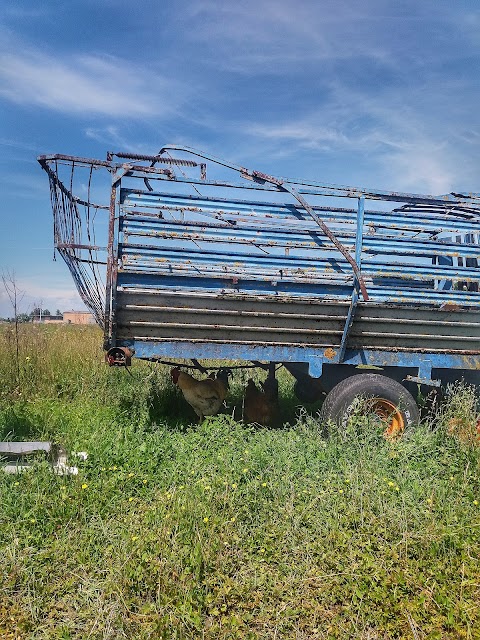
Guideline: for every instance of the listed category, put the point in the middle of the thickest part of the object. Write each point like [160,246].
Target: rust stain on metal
[330,353]
[450,306]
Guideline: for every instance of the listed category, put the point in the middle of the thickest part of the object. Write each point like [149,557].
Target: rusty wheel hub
[389,414]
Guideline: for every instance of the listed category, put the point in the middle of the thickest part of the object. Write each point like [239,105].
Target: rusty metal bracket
[119,357]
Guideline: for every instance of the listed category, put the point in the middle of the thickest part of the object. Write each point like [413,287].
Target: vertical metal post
[359,236]
[111,268]
[356,284]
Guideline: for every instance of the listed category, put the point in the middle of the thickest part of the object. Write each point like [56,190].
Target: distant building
[78,317]
[52,320]
[47,319]
[68,317]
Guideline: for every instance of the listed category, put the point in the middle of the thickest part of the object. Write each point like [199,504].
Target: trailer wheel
[385,397]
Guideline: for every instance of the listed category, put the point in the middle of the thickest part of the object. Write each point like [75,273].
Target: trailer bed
[254,267]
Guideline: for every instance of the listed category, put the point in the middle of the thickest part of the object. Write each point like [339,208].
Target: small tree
[15,296]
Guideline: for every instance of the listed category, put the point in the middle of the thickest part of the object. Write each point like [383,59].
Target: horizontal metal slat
[288,239]
[210,321]
[417,221]
[275,268]
[166,283]
[128,313]
[232,327]
[381,223]
[308,305]
[225,312]
[224,284]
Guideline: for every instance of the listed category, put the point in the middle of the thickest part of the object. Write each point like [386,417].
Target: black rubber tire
[338,404]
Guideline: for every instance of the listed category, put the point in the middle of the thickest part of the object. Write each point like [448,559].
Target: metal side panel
[155,316]
[262,275]
[405,255]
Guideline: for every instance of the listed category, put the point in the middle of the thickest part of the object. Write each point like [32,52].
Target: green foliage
[221,530]
[460,415]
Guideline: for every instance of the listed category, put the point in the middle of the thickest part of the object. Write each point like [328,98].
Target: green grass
[221,530]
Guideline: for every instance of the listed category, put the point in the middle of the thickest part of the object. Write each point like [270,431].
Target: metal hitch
[119,357]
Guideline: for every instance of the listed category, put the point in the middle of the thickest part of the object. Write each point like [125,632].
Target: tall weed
[459,415]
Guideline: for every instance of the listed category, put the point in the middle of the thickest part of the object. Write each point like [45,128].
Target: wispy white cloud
[88,84]
[409,146]
[25,185]
[115,138]
[17,144]
[106,135]
[383,40]
[422,166]
[285,33]
[304,133]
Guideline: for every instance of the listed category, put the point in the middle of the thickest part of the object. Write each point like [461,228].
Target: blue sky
[377,93]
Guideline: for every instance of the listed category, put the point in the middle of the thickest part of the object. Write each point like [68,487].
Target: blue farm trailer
[184,256]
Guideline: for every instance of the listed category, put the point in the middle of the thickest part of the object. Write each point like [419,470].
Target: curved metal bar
[467,200]
[285,186]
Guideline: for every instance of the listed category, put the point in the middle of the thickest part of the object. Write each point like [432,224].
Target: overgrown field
[221,530]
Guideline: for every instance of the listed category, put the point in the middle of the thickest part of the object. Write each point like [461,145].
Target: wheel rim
[390,414]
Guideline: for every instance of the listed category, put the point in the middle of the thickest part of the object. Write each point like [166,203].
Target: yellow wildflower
[84,486]
[206,519]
